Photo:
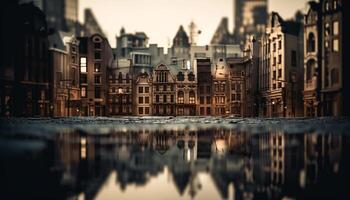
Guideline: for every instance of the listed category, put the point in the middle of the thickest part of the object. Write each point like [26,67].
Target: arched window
[180,97]
[310,67]
[311,43]
[192,96]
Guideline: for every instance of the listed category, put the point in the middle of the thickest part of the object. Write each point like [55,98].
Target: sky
[160,19]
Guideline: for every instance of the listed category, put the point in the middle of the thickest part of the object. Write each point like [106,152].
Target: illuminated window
[335,28]
[83,65]
[97,67]
[83,92]
[336,45]
[192,96]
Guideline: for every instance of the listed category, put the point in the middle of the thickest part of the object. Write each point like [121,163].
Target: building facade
[64,76]
[186,92]
[95,58]
[164,91]
[312,60]
[143,95]
[281,69]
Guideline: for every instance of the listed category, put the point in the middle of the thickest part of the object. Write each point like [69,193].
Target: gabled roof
[181,38]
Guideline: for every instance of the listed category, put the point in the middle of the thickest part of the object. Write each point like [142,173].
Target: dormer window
[191,76]
[180,76]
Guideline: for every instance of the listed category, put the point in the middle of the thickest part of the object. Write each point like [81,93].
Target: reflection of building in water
[322,156]
[256,166]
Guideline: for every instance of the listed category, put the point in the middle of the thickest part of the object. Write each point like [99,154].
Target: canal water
[175,163]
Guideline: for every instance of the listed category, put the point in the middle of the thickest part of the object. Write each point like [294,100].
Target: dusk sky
[160,19]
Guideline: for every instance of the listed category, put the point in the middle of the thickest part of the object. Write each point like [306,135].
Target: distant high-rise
[61,15]
[250,18]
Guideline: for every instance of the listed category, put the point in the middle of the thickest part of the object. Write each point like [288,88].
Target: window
[83,78]
[208,111]
[311,43]
[334,76]
[274,75]
[327,6]
[274,47]
[180,76]
[279,84]
[327,29]
[146,99]
[157,98]
[140,100]
[97,92]
[97,55]
[238,97]
[83,65]
[233,97]
[201,100]
[294,58]
[279,73]
[146,90]
[274,86]
[120,90]
[208,100]
[141,110]
[280,44]
[335,4]
[192,96]
[83,92]
[147,110]
[140,90]
[164,98]
[180,97]
[279,59]
[274,61]
[97,67]
[335,45]
[97,79]
[191,76]
[335,28]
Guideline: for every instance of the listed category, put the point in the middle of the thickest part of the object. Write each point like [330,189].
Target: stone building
[164,91]
[127,42]
[204,86]
[281,69]
[186,91]
[95,58]
[24,67]
[221,80]
[312,60]
[64,76]
[334,64]
[143,95]
[120,89]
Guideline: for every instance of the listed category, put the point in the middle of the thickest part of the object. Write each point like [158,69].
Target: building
[95,58]
[24,67]
[281,68]
[186,90]
[91,25]
[61,15]
[143,95]
[312,60]
[334,70]
[222,34]
[181,46]
[120,89]
[221,80]
[164,91]
[127,42]
[250,18]
[204,86]
[65,89]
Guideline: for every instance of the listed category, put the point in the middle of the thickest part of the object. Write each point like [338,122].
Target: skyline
[110,11]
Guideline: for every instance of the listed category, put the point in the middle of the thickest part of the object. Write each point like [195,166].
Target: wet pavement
[174,158]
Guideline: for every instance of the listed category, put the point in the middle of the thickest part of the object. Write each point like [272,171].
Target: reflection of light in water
[220,145]
[83,147]
[188,155]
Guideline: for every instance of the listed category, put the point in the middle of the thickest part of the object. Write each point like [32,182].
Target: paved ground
[48,126]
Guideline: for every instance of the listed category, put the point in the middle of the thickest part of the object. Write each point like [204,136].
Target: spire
[181,39]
